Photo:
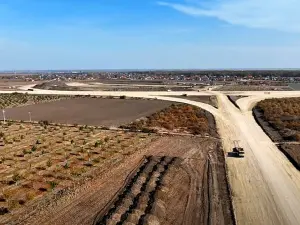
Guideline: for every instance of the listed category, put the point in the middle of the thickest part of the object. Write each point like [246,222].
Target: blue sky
[149,34]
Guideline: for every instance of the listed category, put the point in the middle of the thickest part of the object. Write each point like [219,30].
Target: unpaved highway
[265,185]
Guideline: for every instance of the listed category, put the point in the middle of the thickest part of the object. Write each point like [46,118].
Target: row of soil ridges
[135,201]
[280,119]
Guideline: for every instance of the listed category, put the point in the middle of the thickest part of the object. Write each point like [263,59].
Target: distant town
[209,77]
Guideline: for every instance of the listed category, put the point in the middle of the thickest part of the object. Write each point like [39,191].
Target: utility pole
[29,116]
[3,111]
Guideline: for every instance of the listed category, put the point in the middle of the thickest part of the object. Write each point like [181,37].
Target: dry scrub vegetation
[177,118]
[39,159]
[283,115]
[18,99]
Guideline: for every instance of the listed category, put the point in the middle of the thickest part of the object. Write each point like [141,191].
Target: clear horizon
[149,35]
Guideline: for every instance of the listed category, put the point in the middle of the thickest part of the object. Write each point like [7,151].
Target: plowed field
[183,182]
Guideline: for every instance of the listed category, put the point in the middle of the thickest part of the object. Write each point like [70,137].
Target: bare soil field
[90,111]
[253,88]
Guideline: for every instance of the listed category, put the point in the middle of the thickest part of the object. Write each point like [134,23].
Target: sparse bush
[49,163]
[52,184]
[97,144]
[16,177]
[33,148]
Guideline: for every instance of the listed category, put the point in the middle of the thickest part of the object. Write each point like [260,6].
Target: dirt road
[256,180]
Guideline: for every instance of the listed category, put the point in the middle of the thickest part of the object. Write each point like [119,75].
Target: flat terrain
[90,111]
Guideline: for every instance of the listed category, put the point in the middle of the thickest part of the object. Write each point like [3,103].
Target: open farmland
[181,181]
[17,99]
[280,118]
[37,159]
[90,111]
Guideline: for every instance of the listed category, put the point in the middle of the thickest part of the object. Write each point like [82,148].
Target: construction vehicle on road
[237,150]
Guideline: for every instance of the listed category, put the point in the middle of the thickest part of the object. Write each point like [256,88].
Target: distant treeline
[238,73]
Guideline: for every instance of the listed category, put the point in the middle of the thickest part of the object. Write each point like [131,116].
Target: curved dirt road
[265,185]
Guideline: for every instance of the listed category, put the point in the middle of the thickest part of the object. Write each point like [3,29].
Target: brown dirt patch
[90,111]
